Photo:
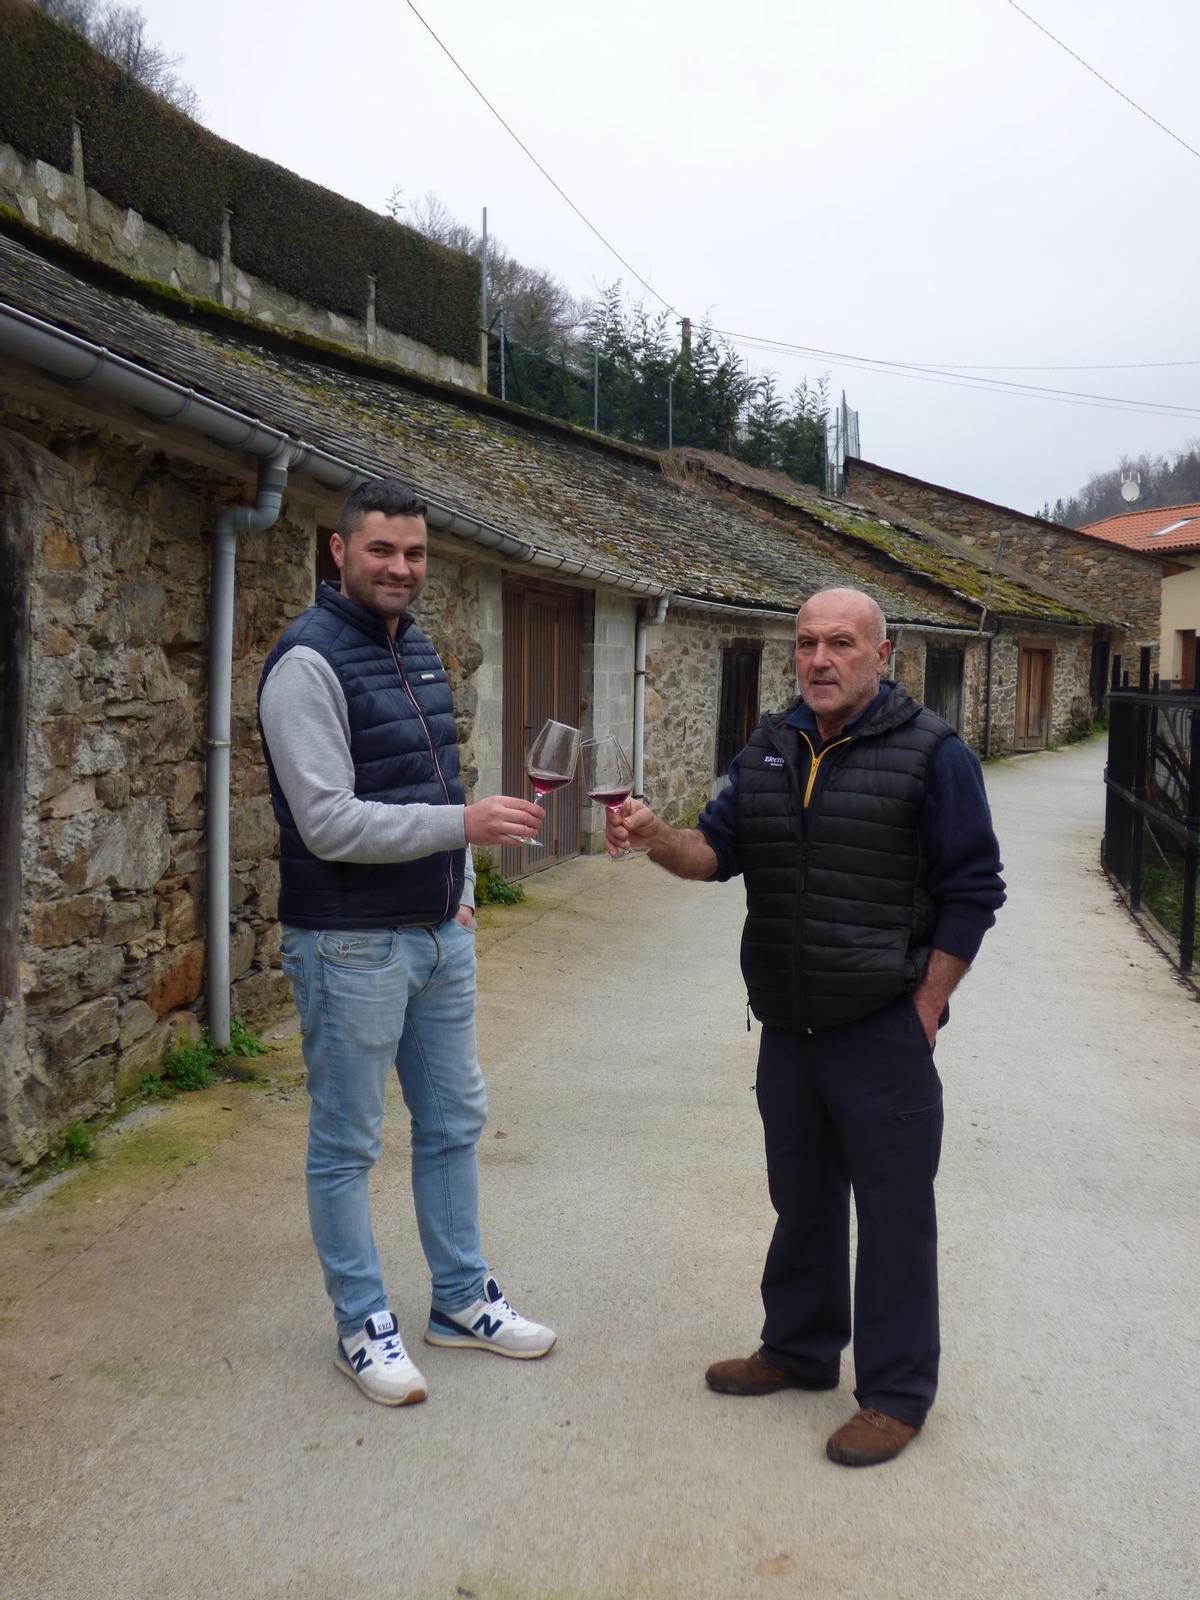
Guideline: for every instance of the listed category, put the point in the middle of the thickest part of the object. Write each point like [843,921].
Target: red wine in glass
[612,798]
[545,783]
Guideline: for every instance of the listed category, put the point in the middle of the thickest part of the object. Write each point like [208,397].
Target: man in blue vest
[376,904]
[860,824]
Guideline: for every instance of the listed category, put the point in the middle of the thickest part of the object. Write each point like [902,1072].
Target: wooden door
[1035,693]
[738,714]
[1187,659]
[943,683]
[543,637]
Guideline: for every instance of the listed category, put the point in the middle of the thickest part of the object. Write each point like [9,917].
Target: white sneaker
[375,1358]
[490,1324]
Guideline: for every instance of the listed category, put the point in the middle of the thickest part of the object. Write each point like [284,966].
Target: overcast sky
[929,182]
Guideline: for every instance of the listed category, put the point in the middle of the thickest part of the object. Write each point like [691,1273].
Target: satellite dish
[1130,489]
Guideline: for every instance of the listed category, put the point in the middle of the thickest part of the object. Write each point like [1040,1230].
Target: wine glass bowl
[551,759]
[607,776]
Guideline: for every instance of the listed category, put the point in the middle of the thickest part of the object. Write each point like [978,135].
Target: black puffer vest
[838,918]
[405,750]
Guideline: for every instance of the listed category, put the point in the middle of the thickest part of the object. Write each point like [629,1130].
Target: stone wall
[683,685]
[62,205]
[112,841]
[1070,711]
[1098,576]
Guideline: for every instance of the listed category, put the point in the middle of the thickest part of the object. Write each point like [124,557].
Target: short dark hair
[392,496]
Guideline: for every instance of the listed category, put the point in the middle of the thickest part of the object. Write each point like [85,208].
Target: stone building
[1120,583]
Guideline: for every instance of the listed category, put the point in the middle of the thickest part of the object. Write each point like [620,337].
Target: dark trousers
[858,1107]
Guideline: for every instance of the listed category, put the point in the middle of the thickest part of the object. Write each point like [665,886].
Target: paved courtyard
[174,1426]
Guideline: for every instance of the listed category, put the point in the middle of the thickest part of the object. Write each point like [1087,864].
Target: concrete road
[174,1426]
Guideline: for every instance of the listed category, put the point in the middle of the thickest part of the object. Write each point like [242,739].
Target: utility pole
[503,379]
[670,413]
[596,388]
[685,339]
[484,325]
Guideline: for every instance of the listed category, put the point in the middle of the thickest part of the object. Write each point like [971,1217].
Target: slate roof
[559,488]
[914,548]
[1162,529]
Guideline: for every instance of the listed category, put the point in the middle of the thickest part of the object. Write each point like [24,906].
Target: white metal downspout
[644,623]
[272,479]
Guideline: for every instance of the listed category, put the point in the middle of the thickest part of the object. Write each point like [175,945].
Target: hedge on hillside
[320,246]
[41,69]
[141,152]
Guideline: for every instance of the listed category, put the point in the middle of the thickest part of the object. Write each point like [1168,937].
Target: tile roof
[556,487]
[1164,528]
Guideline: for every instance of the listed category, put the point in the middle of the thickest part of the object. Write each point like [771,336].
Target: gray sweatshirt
[304,721]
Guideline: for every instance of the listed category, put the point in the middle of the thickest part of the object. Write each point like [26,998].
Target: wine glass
[550,762]
[607,777]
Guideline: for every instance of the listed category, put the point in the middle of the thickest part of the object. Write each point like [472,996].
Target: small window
[740,664]
[327,569]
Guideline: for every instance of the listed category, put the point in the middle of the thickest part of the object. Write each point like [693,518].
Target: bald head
[850,602]
[842,651]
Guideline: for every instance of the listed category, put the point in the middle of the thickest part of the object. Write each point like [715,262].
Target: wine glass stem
[615,812]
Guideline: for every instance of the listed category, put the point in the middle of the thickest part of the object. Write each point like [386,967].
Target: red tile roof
[1164,528]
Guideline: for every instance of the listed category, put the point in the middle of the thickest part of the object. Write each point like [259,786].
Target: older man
[860,824]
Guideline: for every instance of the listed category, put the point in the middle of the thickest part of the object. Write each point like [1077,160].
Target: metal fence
[1152,813]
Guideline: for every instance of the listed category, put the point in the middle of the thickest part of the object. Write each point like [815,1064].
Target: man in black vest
[376,903]
[860,824]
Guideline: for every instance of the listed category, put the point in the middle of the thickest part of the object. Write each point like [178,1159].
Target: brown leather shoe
[869,1439]
[755,1375]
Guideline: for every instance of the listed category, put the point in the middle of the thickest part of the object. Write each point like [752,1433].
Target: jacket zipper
[436,767]
[816,761]
[805,801]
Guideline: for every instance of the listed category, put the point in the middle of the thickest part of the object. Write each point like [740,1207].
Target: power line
[557,186]
[1002,384]
[960,376]
[1141,109]
[1017,366]
[957,378]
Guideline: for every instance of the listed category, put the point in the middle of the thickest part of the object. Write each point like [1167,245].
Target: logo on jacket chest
[773,761]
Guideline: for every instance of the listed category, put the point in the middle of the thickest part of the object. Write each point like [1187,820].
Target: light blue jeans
[369,1001]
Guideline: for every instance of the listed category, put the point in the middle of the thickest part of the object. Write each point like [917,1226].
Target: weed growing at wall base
[492,888]
[76,1146]
[198,1063]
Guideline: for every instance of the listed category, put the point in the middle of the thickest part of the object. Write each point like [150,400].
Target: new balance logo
[489,1327]
[360,1359]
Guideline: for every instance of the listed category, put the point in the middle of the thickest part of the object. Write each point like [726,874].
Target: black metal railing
[1152,812]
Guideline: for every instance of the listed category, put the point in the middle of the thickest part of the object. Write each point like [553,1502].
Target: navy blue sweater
[959,845]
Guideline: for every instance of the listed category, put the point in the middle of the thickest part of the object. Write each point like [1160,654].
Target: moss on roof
[967,578]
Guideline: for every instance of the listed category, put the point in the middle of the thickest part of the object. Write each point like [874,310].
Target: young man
[376,904]
[860,823]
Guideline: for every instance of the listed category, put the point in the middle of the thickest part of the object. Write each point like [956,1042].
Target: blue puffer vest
[405,750]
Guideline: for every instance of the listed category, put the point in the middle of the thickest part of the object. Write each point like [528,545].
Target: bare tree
[119,32]
[540,313]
